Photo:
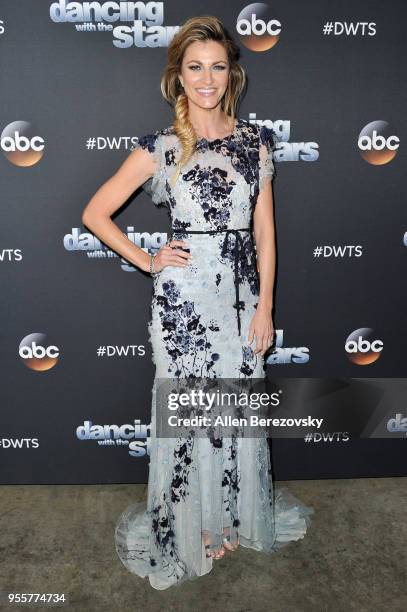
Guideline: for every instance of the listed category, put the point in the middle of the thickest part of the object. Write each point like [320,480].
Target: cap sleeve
[155,186]
[267,145]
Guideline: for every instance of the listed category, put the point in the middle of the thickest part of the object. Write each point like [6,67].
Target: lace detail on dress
[249,150]
[155,186]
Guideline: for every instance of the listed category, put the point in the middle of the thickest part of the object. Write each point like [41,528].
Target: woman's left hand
[262,327]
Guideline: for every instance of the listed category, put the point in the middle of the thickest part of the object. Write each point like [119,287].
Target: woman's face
[204,73]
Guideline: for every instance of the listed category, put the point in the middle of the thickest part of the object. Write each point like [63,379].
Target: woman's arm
[134,171]
[264,234]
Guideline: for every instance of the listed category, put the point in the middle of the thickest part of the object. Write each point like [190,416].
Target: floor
[354,557]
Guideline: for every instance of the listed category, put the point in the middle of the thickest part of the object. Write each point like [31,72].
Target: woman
[211,311]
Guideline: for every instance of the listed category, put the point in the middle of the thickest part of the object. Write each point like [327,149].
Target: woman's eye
[216,67]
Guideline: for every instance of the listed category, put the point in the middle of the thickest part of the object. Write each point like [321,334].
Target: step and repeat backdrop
[80,83]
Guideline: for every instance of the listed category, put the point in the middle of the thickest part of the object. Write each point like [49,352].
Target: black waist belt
[238,244]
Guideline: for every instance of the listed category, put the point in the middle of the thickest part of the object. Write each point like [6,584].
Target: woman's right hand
[170,255]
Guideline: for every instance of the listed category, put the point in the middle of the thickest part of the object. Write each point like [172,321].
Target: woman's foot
[215,554]
[226,540]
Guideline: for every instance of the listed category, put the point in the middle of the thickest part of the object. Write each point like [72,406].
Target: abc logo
[362,347]
[37,353]
[20,144]
[258,29]
[377,144]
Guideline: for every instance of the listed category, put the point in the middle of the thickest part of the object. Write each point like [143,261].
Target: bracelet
[152,271]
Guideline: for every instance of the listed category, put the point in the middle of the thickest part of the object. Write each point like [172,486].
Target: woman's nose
[207,78]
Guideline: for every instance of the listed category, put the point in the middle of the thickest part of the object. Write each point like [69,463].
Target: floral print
[200,319]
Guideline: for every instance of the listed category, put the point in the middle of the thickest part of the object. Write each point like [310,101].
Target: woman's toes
[229,546]
[219,554]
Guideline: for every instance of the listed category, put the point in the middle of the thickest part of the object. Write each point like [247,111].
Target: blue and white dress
[199,325]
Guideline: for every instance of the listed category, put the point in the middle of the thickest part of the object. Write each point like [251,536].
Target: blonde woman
[211,311]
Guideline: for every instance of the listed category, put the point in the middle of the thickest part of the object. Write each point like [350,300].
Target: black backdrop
[63,84]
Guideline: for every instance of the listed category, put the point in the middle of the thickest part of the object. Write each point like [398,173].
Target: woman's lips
[206,93]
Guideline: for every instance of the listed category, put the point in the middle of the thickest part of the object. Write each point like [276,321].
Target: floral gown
[200,319]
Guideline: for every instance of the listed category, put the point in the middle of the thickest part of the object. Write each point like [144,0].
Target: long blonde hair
[202,28]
